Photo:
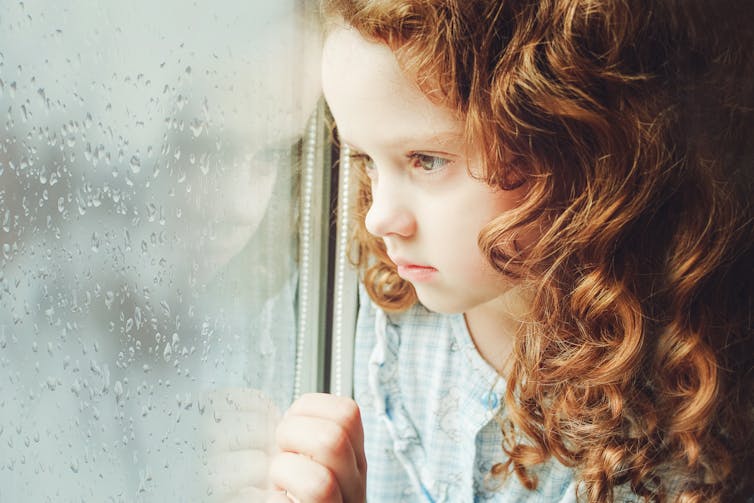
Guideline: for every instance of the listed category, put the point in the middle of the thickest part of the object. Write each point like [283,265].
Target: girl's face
[426,206]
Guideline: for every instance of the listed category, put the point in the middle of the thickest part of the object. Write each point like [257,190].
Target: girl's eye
[428,163]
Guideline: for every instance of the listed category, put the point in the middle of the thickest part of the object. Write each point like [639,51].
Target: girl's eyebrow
[442,138]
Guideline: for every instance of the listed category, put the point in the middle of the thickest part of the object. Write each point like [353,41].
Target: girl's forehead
[363,79]
[346,49]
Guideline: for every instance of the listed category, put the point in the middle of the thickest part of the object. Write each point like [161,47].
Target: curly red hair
[632,122]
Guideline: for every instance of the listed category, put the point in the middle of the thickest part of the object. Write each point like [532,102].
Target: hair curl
[632,123]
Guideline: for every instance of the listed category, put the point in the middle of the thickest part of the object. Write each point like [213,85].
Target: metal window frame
[345,285]
[328,282]
[313,257]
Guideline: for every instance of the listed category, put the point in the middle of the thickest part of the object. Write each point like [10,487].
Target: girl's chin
[438,303]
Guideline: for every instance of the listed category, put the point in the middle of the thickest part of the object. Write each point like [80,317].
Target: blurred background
[150,155]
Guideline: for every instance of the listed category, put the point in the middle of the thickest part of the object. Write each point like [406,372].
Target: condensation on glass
[150,160]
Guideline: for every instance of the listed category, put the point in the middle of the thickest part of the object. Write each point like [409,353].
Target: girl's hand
[321,458]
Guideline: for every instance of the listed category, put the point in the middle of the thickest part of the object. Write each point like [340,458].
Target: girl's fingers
[339,410]
[324,442]
[322,431]
[305,479]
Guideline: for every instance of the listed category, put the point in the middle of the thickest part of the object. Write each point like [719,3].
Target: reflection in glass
[148,173]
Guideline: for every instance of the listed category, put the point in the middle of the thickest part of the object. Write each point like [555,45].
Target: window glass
[150,155]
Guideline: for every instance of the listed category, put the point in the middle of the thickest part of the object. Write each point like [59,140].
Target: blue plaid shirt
[428,401]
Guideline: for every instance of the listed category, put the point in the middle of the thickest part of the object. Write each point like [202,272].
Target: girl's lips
[416,273]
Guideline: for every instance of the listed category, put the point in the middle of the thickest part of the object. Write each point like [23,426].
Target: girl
[556,245]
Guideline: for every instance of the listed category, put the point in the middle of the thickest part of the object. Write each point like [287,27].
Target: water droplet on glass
[135,165]
[109,298]
[196,126]
[167,353]
[151,212]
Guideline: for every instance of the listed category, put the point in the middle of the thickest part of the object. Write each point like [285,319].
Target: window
[163,232]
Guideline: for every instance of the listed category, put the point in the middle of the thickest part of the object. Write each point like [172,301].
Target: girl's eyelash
[426,162]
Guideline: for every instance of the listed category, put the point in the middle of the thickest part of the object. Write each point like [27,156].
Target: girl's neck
[493,327]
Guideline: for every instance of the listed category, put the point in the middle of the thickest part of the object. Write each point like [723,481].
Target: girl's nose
[389,215]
